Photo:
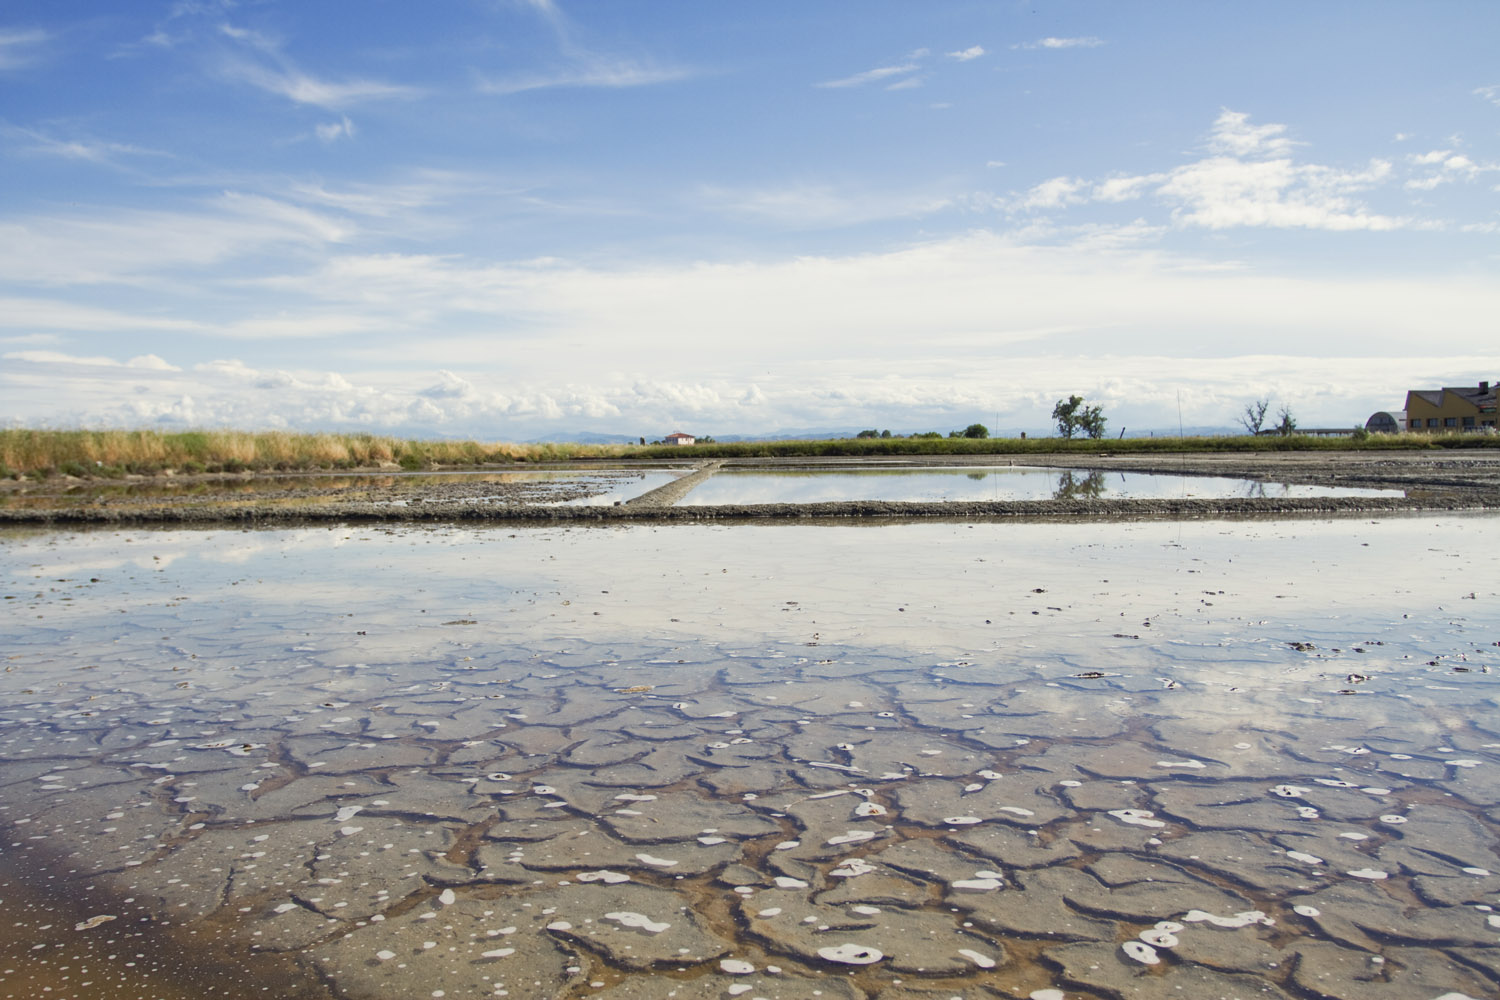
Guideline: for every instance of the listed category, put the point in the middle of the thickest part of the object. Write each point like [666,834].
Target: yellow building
[1451,409]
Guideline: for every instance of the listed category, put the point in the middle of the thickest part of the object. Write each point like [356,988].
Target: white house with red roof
[677,437]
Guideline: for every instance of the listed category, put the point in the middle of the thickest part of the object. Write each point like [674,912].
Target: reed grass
[113,453]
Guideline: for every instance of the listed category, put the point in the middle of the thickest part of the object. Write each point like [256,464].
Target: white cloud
[1086,42]
[449,386]
[964,55]
[1452,167]
[1233,134]
[19,46]
[89,150]
[1055,193]
[1221,192]
[580,66]
[1253,182]
[54,314]
[910,83]
[333,131]
[822,205]
[261,64]
[595,72]
[1491,94]
[304,88]
[149,362]
[1125,188]
[871,75]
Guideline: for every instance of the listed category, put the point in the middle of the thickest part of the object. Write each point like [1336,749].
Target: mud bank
[468,511]
[1442,482]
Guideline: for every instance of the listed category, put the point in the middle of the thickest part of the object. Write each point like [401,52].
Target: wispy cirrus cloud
[589,72]
[333,131]
[260,62]
[871,76]
[149,362]
[20,47]
[970,53]
[1085,42]
[577,65]
[34,142]
[810,206]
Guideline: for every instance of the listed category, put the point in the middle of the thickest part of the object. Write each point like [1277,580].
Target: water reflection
[971,758]
[1079,486]
[1014,483]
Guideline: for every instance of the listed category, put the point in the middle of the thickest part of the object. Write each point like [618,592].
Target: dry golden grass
[113,453]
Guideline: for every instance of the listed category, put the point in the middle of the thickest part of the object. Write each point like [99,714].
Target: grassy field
[111,454]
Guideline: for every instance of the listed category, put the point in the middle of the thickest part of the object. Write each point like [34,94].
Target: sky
[523,219]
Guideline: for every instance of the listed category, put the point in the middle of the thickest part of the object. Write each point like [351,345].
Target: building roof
[1482,395]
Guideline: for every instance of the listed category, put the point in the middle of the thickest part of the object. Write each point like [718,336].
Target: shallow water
[909,760]
[976,483]
[599,486]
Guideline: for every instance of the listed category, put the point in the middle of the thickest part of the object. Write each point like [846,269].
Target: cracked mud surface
[1207,759]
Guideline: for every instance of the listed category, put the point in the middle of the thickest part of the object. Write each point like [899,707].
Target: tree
[1074,418]
[976,431]
[867,434]
[1254,417]
[1288,425]
[885,434]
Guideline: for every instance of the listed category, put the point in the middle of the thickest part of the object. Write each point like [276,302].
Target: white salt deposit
[1136,817]
[851,954]
[655,862]
[1141,952]
[1244,919]
[851,837]
[638,921]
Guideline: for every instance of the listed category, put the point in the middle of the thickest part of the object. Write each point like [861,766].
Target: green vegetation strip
[114,454]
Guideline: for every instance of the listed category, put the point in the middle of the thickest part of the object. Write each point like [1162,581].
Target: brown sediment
[1431,482]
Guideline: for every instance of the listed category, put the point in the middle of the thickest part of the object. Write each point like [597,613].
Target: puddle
[596,486]
[975,483]
[914,760]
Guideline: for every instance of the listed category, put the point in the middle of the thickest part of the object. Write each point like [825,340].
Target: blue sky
[518,218]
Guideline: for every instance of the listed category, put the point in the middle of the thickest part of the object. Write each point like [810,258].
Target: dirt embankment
[1444,481]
